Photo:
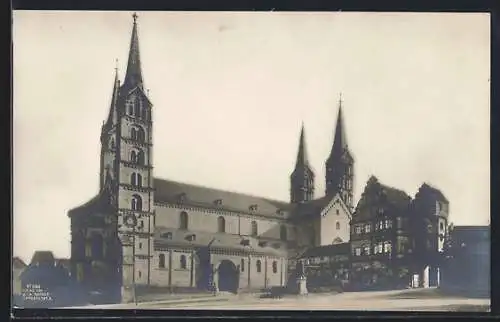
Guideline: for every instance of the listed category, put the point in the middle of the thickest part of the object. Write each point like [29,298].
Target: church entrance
[228,277]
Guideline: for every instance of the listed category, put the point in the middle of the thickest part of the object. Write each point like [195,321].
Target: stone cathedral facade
[142,230]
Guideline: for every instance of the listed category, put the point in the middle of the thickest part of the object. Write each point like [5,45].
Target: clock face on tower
[130,221]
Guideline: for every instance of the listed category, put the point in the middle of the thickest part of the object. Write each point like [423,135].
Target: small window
[133,157]
[337,225]
[242,265]
[358,251]
[140,158]
[366,249]
[337,211]
[139,274]
[367,228]
[221,224]
[183,218]
[275,267]
[140,245]
[258,266]
[387,247]
[136,202]
[441,226]
[183,262]
[161,261]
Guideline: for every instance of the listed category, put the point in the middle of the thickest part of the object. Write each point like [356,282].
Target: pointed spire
[340,139]
[112,108]
[302,153]
[133,77]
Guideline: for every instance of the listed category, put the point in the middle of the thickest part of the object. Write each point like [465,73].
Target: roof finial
[116,65]
[134,16]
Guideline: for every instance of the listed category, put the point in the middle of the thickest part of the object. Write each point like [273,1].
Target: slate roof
[42,256]
[223,241]
[168,191]
[98,202]
[328,251]
[470,234]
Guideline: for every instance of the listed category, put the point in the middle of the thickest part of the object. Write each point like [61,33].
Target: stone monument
[301,278]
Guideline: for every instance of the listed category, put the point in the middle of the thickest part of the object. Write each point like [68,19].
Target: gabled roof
[327,251]
[311,208]
[316,207]
[18,263]
[99,202]
[338,199]
[396,197]
[42,256]
[168,236]
[167,191]
[436,193]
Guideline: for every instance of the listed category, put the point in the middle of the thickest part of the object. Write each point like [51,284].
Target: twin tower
[339,169]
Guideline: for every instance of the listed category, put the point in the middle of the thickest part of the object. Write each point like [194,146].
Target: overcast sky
[230,91]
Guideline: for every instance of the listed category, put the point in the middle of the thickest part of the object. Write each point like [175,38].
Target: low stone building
[327,266]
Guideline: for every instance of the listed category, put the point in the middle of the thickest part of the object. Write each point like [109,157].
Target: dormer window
[218,202]
[262,244]
[253,208]
[181,197]
[167,235]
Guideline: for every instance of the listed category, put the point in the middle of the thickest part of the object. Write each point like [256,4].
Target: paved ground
[402,300]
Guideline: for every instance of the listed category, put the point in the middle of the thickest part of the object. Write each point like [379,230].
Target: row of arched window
[136,202]
[137,157]
[137,133]
[221,226]
[258,266]
[136,179]
[137,110]
[183,263]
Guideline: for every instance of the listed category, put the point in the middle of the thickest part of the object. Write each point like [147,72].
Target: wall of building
[249,277]
[206,220]
[335,214]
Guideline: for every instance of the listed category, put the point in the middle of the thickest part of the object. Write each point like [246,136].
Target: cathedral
[141,230]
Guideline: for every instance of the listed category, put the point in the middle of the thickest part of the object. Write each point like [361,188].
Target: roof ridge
[221,190]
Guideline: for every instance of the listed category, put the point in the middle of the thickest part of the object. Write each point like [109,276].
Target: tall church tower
[302,178]
[126,166]
[340,164]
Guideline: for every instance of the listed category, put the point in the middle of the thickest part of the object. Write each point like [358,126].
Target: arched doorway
[228,276]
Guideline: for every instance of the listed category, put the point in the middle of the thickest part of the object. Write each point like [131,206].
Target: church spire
[302,160]
[340,139]
[133,77]
[112,115]
[302,178]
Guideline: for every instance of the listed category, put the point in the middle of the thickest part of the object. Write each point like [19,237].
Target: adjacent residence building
[381,237]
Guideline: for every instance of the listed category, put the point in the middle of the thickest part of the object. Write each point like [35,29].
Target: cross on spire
[340,99]
[134,16]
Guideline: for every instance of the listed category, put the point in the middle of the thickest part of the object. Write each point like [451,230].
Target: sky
[230,92]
